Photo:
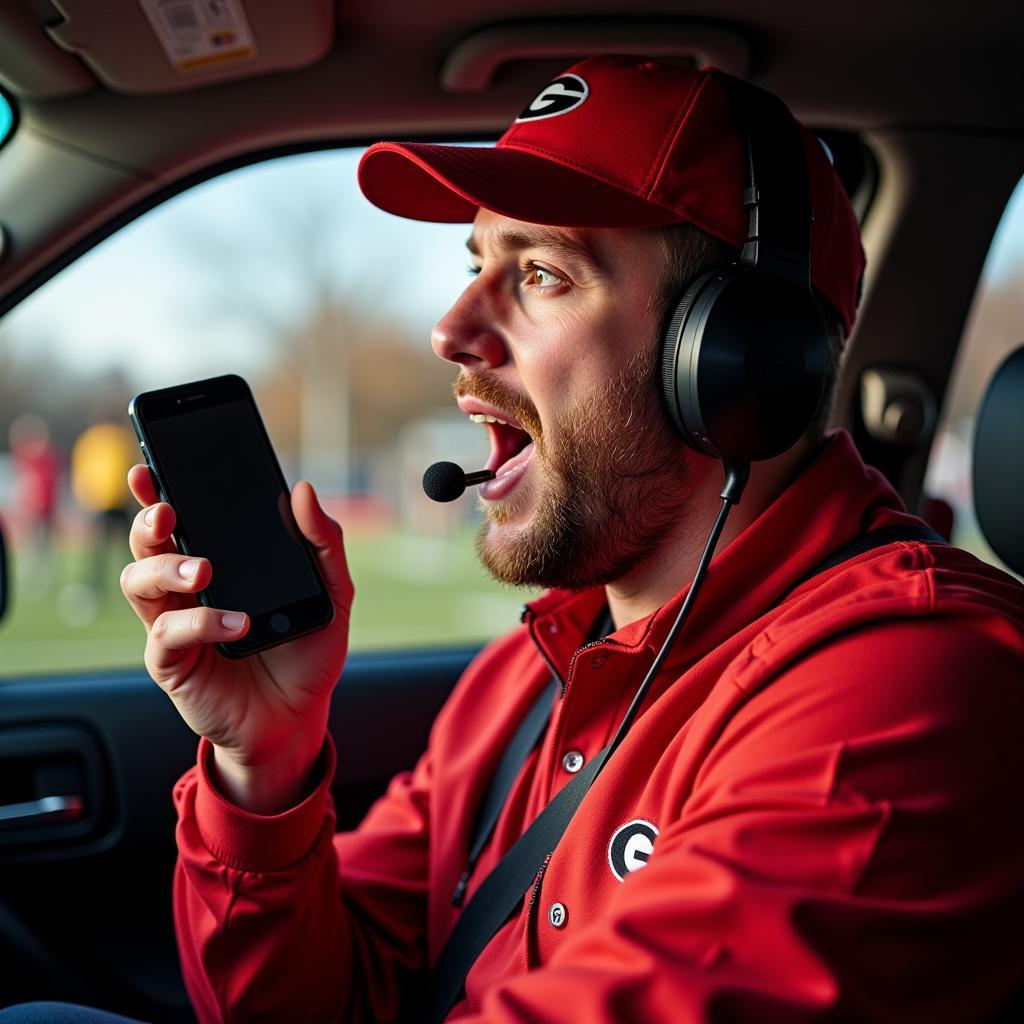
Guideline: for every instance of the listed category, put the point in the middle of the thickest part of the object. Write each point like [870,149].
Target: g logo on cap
[631,846]
[565,93]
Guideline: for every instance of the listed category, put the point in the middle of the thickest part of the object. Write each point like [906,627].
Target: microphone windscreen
[444,481]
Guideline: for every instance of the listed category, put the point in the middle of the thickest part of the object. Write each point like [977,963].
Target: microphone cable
[445,481]
[736,476]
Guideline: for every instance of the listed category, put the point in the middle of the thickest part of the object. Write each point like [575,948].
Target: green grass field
[410,591]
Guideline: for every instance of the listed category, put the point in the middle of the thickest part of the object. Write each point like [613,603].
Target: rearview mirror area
[7,117]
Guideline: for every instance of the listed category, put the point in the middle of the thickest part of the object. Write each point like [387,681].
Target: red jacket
[826,800]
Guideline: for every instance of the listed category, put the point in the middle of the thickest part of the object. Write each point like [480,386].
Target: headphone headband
[744,356]
[778,190]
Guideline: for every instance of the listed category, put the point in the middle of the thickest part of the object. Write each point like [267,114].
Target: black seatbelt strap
[867,542]
[503,889]
[529,732]
[525,739]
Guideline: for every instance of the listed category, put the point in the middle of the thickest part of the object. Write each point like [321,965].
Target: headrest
[999,462]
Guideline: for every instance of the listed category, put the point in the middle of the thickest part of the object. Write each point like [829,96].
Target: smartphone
[212,460]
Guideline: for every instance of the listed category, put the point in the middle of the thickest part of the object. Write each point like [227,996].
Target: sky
[155,298]
[1006,254]
[152,298]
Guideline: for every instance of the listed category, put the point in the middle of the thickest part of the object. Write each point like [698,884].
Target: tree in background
[341,378]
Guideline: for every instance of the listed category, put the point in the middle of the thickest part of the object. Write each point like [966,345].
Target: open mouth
[508,442]
[511,448]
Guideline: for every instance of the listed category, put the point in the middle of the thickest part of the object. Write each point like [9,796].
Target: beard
[612,476]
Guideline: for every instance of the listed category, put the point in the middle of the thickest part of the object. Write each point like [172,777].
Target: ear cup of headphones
[675,376]
[744,358]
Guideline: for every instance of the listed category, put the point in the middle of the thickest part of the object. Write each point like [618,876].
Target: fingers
[182,629]
[147,583]
[151,531]
[325,535]
[140,480]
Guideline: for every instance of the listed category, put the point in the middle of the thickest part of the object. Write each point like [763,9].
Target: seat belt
[527,735]
[502,890]
[525,739]
[866,542]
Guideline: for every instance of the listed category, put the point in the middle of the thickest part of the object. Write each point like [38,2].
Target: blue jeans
[59,1013]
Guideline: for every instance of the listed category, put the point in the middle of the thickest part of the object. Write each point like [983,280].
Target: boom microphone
[444,481]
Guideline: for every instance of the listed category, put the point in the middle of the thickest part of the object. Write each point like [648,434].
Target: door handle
[47,810]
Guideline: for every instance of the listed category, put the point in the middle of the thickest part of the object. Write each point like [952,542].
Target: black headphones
[745,352]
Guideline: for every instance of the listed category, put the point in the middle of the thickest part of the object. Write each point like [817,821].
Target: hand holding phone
[267,714]
[212,460]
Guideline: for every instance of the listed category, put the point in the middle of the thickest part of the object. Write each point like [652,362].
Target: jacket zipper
[527,616]
[532,945]
[585,647]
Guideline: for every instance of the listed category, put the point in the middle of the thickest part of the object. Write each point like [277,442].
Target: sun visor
[150,46]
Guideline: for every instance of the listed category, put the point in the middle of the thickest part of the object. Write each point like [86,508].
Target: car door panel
[85,906]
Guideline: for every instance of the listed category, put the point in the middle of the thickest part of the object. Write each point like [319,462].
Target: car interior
[116,111]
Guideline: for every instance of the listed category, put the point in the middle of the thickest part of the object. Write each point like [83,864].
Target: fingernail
[187,570]
[233,621]
[149,516]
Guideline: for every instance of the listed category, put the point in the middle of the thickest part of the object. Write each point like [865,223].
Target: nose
[467,335]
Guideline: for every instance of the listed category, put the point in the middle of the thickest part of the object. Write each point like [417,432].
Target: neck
[673,565]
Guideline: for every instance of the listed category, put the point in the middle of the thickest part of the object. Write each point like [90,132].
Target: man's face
[557,335]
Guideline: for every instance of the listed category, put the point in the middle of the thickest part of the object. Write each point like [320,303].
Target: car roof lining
[833,69]
[865,64]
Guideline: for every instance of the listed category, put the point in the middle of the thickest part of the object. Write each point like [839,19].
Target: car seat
[999,496]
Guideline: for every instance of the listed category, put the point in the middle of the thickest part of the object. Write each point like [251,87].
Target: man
[807,819]
[37,467]
[100,459]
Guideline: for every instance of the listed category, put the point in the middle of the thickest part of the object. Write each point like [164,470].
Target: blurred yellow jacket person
[100,461]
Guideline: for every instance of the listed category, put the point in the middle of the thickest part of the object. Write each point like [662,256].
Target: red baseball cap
[613,142]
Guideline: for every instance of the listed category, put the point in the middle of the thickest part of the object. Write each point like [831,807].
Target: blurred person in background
[37,468]
[100,460]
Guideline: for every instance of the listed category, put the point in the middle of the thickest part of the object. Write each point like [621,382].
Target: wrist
[268,788]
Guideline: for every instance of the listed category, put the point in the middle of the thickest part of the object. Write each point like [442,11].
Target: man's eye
[541,277]
[472,270]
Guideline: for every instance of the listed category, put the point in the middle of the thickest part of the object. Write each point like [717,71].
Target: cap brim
[450,183]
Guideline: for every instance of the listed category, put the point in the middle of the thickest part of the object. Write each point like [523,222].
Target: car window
[994,328]
[283,273]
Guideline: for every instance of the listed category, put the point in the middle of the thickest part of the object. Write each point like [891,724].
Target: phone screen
[213,461]
[224,482]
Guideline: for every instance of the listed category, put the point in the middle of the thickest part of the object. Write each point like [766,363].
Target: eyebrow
[556,242]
